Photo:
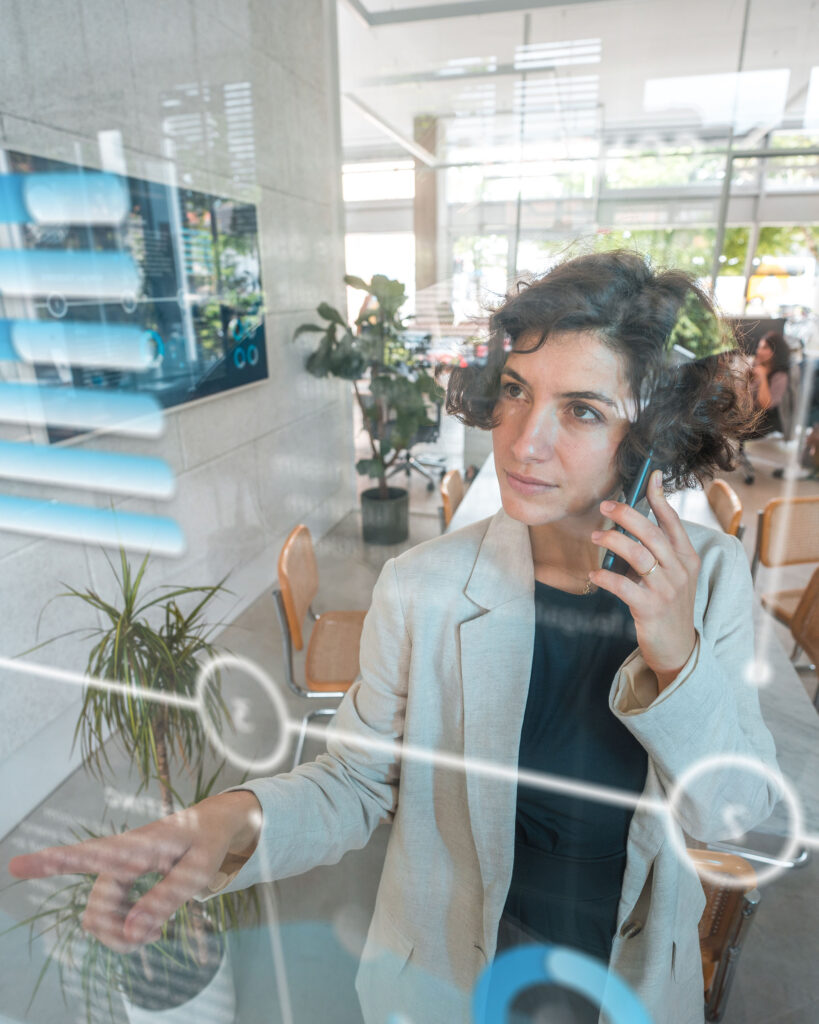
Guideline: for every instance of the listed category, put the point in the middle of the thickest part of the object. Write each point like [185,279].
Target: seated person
[770,381]
[769,384]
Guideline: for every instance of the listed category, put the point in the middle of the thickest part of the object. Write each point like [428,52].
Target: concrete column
[425,207]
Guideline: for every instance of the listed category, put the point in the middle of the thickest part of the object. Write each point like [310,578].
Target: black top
[569,850]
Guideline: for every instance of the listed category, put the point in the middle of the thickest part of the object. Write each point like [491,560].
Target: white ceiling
[629,68]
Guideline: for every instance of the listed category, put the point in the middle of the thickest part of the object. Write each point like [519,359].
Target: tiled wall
[249,463]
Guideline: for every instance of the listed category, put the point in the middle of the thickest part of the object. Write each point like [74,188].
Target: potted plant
[149,643]
[395,405]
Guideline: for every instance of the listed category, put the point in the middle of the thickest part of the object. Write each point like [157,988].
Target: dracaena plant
[153,648]
[395,408]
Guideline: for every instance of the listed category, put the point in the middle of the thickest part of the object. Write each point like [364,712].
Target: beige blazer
[445,663]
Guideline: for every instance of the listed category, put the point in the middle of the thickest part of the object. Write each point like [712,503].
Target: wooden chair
[331,663]
[787,534]
[727,507]
[805,626]
[452,492]
[729,909]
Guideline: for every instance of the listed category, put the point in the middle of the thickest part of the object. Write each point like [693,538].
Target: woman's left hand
[661,586]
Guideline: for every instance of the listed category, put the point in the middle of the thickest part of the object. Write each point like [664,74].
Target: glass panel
[479,274]
[785,270]
[382,180]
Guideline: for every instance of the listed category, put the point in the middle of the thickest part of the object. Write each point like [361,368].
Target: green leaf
[370,467]
[307,329]
[330,313]
[356,282]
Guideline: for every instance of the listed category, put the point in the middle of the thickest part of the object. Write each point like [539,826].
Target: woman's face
[562,412]
[764,353]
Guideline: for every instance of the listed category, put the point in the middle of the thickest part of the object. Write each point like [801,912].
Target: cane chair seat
[782,604]
[332,651]
[331,660]
[804,625]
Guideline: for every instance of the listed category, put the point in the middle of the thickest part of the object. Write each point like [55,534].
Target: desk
[786,707]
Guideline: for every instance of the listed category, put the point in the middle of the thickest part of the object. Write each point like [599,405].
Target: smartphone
[635,494]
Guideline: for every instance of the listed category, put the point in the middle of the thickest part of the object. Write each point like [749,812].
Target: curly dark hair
[690,416]
[781,352]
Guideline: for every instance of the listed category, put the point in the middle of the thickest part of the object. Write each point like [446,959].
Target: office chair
[727,507]
[331,663]
[426,465]
[452,492]
[724,924]
[787,534]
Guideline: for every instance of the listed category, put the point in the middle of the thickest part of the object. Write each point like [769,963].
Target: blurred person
[504,647]
[771,368]
[769,387]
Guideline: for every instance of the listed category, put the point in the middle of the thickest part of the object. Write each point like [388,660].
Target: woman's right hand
[189,849]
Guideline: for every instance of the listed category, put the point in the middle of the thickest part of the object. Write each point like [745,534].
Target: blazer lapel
[496,662]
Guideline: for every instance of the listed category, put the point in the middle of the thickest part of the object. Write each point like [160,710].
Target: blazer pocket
[387,949]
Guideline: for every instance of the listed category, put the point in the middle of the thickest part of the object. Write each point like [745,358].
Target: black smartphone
[634,495]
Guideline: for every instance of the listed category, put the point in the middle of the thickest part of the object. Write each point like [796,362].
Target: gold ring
[648,572]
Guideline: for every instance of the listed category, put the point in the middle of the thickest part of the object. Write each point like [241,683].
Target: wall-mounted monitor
[115,284]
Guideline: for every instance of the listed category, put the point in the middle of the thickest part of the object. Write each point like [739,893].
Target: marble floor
[298,965]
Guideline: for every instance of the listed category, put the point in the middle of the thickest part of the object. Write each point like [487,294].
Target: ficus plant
[155,649]
[395,408]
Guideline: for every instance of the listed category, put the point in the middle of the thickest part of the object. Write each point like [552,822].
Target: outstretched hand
[662,583]
[189,849]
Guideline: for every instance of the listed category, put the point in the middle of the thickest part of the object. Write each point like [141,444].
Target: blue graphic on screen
[121,285]
[118,298]
[518,969]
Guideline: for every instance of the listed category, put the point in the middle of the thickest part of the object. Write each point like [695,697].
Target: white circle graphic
[57,305]
[249,764]
[788,794]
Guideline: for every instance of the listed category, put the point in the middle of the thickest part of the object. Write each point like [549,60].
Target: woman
[504,644]
[769,387]
[770,380]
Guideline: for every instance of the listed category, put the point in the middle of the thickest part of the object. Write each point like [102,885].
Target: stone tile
[109,70]
[15,65]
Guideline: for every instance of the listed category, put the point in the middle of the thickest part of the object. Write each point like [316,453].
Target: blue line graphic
[69,343]
[69,197]
[63,197]
[8,353]
[12,207]
[90,470]
[85,525]
[518,969]
[80,409]
[99,275]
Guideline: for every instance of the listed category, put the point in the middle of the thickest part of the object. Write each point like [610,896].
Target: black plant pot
[174,979]
[385,520]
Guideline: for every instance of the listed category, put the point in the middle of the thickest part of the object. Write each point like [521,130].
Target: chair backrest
[298,580]
[788,532]
[428,433]
[805,622]
[790,403]
[726,506]
[452,492]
